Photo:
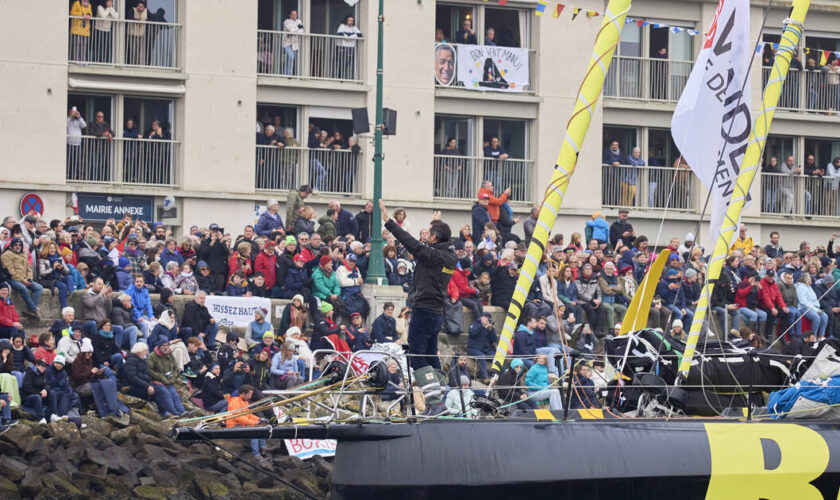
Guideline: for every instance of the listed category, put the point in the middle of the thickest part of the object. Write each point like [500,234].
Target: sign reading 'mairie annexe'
[104,207]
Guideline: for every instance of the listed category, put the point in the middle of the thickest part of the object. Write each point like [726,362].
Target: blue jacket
[384,329]
[259,329]
[346,223]
[57,379]
[124,279]
[566,293]
[268,223]
[295,279]
[524,342]
[78,280]
[480,217]
[166,256]
[537,378]
[610,157]
[600,229]
[141,302]
[481,338]
[280,367]
[670,297]
[157,331]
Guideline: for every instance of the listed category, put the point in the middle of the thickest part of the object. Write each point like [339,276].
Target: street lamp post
[376,264]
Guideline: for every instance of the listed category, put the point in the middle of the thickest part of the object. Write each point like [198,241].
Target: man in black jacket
[622,230]
[427,291]
[364,221]
[197,318]
[215,253]
[34,392]
[346,223]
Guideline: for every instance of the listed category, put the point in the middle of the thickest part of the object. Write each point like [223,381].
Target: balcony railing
[124,43]
[526,89]
[459,177]
[328,170]
[799,195]
[646,79]
[625,186]
[121,160]
[809,91]
[309,56]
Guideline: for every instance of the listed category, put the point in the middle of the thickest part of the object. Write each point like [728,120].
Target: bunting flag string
[559,7]
[821,56]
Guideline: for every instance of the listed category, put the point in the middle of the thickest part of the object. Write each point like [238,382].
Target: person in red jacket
[9,319]
[771,302]
[459,288]
[495,203]
[265,263]
[746,297]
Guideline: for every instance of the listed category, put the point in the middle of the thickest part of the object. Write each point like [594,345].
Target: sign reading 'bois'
[104,207]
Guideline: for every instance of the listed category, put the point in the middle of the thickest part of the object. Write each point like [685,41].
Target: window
[779,147]
[450,19]
[512,135]
[327,15]
[144,111]
[631,41]
[508,26]
[280,117]
[662,152]
[824,150]
[461,128]
[272,13]
[89,105]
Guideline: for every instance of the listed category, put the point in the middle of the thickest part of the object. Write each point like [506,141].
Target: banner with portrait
[445,61]
[492,68]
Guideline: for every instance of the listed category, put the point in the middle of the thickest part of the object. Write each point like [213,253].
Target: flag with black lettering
[712,121]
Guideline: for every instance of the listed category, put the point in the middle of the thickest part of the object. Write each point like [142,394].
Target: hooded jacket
[120,316]
[588,288]
[323,286]
[459,285]
[524,343]
[537,378]
[211,390]
[326,227]
[267,264]
[34,382]
[135,374]
[15,263]
[769,295]
[480,338]
[141,302]
[8,313]
[163,368]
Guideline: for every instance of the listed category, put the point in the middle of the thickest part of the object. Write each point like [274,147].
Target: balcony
[646,79]
[799,195]
[809,91]
[309,56]
[121,160]
[459,177]
[653,188]
[122,43]
[329,170]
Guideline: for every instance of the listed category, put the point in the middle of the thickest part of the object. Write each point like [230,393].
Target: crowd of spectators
[117,337]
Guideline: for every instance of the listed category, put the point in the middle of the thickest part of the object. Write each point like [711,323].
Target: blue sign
[106,206]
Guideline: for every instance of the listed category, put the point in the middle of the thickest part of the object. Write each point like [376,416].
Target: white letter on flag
[712,116]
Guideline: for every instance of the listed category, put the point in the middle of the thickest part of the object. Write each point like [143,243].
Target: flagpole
[791,36]
[590,90]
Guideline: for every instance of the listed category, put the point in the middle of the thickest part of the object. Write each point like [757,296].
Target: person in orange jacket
[240,403]
[495,203]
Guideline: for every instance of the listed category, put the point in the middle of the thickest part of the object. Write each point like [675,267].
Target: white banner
[497,69]
[236,311]
[308,448]
[712,121]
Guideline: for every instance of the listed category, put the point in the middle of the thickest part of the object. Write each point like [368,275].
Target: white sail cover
[712,103]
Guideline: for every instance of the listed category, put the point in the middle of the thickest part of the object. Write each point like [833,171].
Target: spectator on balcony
[832,84]
[270,220]
[786,186]
[612,155]
[291,43]
[289,138]
[157,155]
[495,151]
[490,37]
[346,48]
[659,74]
[75,124]
[351,163]
[103,39]
[630,176]
[439,36]
[465,35]
[453,183]
[317,172]
[768,56]
[136,46]
[813,170]
[80,30]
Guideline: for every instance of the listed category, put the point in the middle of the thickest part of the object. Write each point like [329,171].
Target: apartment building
[187,90]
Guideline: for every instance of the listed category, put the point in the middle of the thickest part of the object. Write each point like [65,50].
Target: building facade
[176,99]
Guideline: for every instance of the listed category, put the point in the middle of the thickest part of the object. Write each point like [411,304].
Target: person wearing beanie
[285,256]
[325,285]
[165,374]
[351,281]
[87,381]
[16,263]
[212,396]
[325,326]
[677,330]
[459,401]
[123,273]
[229,353]
[270,220]
[296,277]
[62,398]
[205,280]
[266,342]
[294,314]
[294,337]
[21,355]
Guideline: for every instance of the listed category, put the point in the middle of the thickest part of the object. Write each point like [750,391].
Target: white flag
[712,115]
